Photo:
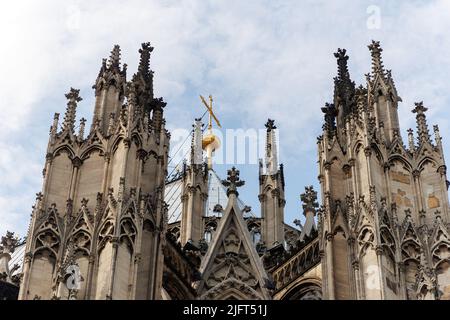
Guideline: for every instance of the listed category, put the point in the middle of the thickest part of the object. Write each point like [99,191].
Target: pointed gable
[231,268]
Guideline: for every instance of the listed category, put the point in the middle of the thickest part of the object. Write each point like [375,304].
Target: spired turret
[271,192]
[194,191]
[101,209]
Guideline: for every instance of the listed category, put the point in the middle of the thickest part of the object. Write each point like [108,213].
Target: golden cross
[210,111]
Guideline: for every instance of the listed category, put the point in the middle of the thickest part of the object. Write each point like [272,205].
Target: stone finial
[377,63]
[157,105]
[144,62]
[330,114]
[73,96]
[8,242]
[69,117]
[54,127]
[411,140]
[309,199]
[143,79]
[344,87]
[437,135]
[81,129]
[270,125]
[114,58]
[342,59]
[233,182]
[422,126]
[196,142]
[271,148]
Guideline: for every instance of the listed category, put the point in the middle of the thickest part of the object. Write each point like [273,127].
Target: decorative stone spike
[114,58]
[422,126]
[157,106]
[342,59]
[196,143]
[54,128]
[143,79]
[344,87]
[437,135]
[81,129]
[309,199]
[144,63]
[411,140]
[271,148]
[8,242]
[69,116]
[330,113]
[377,63]
[233,181]
[270,125]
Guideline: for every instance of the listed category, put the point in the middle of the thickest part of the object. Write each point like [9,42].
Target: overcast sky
[259,59]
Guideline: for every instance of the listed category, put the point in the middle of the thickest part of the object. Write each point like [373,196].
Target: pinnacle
[270,125]
[233,181]
[144,63]
[420,108]
[309,199]
[422,126]
[69,116]
[114,58]
[377,63]
[342,59]
[73,95]
[344,86]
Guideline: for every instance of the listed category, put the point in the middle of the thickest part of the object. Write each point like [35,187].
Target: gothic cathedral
[111,222]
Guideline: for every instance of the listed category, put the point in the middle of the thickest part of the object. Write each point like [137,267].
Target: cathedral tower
[97,227]
[271,192]
[382,226]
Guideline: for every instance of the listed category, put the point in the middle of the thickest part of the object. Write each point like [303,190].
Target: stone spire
[330,113]
[69,116]
[271,192]
[194,192]
[8,244]
[437,136]
[110,73]
[196,144]
[310,205]
[422,127]
[411,145]
[114,58]
[157,105]
[342,59]
[233,182]
[271,147]
[144,62]
[309,199]
[377,62]
[344,87]
[143,79]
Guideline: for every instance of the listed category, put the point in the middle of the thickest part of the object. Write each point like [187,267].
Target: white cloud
[259,59]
